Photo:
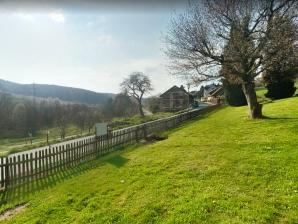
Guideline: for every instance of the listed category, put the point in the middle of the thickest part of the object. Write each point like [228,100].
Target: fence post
[137,133]
[6,183]
[2,173]
[96,142]
[145,131]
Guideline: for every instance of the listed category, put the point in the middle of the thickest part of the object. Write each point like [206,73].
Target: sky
[92,45]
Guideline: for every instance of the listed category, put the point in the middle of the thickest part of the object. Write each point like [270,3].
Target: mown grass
[222,168]
[123,122]
[10,145]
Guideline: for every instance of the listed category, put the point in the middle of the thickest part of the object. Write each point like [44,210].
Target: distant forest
[20,117]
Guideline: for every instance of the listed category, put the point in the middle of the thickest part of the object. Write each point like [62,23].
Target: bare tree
[233,33]
[81,119]
[136,85]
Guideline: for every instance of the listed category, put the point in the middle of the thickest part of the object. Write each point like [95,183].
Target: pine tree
[279,77]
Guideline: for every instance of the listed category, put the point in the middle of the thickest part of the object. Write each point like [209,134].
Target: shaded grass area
[220,168]
[261,91]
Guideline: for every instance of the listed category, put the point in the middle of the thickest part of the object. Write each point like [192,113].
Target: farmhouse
[175,99]
[206,90]
[212,93]
[216,96]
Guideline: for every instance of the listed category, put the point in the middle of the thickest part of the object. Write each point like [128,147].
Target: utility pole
[188,87]
[48,132]
[34,94]
[33,121]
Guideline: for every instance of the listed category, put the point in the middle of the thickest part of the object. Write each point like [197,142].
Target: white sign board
[101,129]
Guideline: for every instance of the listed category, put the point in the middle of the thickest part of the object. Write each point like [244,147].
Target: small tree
[94,116]
[62,118]
[62,124]
[136,86]
[280,89]
[19,117]
[6,121]
[81,118]
[107,110]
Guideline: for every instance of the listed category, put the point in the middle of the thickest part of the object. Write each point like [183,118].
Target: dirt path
[11,212]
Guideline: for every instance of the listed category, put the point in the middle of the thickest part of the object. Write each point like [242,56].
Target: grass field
[123,122]
[223,168]
[11,145]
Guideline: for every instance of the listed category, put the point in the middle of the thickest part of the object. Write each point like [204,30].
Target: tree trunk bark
[255,108]
[141,109]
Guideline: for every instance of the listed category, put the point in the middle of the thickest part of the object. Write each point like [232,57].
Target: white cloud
[25,16]
[102,19]
[146,65]
[98,21]
[57,16]
[90,24]
[105,40]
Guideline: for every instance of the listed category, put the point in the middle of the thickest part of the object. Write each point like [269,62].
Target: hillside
[221,168]
[53,91]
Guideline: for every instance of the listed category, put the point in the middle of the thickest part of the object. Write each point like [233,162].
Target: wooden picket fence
[25,167]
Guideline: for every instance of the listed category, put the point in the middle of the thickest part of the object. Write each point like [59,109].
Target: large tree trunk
[141,109]
[255,108]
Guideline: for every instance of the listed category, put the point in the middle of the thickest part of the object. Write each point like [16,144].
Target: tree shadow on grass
[118,161]
[280,118]
[18,194]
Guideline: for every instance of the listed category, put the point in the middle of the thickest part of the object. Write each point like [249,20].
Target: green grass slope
[223,168]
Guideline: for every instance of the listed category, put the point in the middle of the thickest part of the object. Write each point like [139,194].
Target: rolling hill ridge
[63,93]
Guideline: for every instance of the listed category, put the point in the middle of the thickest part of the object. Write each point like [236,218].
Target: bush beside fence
[20,168]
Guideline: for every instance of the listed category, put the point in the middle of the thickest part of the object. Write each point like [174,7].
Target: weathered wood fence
[24,167]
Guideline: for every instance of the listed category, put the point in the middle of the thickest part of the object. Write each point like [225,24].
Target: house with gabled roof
[216,96]
[175,99]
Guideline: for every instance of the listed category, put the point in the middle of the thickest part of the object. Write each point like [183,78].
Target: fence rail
[19,168]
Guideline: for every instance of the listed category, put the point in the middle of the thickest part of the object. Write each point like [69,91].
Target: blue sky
[85,48]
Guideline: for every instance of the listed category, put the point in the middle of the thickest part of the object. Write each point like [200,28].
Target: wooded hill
[57,92]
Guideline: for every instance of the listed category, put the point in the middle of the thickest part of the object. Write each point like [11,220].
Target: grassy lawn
[9,145]
[261,92]
[223,168]
[261,95]
[123,122]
